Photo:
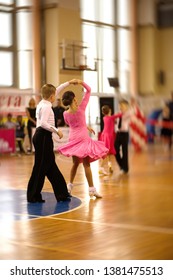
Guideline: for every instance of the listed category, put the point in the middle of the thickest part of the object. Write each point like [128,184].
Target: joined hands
[75,81]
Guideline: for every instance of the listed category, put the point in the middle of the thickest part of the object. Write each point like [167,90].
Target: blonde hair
[123,101]
[32,102]
[47,90]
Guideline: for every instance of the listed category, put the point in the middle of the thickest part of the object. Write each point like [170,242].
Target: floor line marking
[42,247]
[122,226]
[36,217]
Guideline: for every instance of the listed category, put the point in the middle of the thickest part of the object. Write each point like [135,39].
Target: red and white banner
[7,141]
[138,131]
[14,104]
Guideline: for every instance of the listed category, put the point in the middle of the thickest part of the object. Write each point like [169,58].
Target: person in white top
[122,136]
[44,163]
[9,123]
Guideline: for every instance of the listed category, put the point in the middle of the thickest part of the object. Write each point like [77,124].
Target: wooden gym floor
[133,220]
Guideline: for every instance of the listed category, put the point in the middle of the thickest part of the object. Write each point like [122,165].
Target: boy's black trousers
[121,148]
[45,166]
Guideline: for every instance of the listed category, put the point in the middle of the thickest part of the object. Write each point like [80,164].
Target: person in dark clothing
[58,111]
[166,130]
[170,106]
[20,133]
[122,136]
[30,112]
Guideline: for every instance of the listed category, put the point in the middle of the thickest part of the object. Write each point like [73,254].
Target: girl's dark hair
[68,97]
[105,109]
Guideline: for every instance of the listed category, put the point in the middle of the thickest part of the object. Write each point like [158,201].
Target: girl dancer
[80,146]
[108,136]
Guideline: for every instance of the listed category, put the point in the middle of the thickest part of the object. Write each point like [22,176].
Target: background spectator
[9,123]
[1,121]
[58,112]
[20,133]
[30,112]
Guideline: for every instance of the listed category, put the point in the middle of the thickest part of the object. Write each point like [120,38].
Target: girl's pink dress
[108,134]
[80,144]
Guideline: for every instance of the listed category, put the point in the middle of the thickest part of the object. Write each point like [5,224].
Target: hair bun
[67,98]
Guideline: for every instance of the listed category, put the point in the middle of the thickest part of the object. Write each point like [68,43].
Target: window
[123,15]
[6,78]
[16,46]
[6,55]
[25,49]
[102,11]
[6,2]
[124,59]
[5,32]
[106,28]
[99,33]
